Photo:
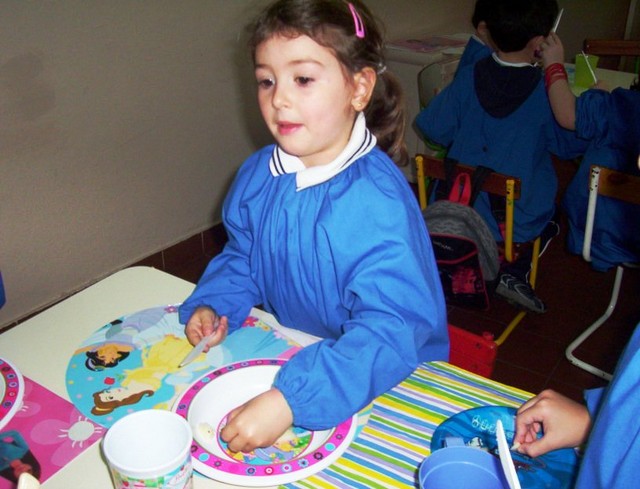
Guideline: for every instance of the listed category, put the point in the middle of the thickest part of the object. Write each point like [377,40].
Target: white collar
[507,63]
[360,143]
[478,39]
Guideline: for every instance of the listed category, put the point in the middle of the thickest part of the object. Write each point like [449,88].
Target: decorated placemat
[390,448]
[44,435]
[132,363]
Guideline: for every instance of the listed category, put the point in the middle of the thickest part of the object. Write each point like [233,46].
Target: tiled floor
[532,357]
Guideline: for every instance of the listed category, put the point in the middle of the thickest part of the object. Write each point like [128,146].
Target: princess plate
[297,454]
[477,427]
[11,392]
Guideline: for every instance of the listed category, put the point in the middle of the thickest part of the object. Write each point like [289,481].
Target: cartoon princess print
[113,343]
[158,361]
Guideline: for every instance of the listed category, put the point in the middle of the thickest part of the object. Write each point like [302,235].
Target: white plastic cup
[150,448]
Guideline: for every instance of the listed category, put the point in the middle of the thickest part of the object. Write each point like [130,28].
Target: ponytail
[386,117]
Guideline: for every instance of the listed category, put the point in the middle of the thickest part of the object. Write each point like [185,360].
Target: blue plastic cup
[459,467]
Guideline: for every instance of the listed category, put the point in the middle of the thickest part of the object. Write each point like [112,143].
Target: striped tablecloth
[390,448]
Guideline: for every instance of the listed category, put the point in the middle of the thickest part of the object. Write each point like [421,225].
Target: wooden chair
[608,183]
[614,48]
[430,168]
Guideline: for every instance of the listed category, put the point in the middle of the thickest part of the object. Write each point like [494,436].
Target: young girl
[324,231]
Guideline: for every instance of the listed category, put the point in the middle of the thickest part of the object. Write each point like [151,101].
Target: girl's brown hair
[102,408]
[332,24]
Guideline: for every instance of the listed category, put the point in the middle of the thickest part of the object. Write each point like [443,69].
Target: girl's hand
[258,423]
[552,50]
[565,424]
[201,324]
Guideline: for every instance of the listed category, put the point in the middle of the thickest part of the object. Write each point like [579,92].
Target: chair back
[608,183]
[616,49]
[430,168]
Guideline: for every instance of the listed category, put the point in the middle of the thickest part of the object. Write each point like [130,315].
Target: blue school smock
[612,455]
[474,50]
[610,121]
[347,259]
[519,143]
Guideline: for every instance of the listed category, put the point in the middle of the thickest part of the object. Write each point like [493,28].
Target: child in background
[596,114]
[496,113]
[324,231]
[610,122]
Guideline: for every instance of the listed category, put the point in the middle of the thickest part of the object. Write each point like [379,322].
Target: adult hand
[201,324]
[552,50]
[563,422]
[258,423]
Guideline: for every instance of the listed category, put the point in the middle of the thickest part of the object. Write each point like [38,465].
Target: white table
[41,347]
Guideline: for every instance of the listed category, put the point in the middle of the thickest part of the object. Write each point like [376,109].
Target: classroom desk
[386,454]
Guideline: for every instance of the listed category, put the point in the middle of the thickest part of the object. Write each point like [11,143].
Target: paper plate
[11,392]
[299,454]
[477,427]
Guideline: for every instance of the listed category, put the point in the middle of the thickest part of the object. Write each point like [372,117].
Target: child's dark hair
[481,12]
[331,24]
[514,23]
[95,363]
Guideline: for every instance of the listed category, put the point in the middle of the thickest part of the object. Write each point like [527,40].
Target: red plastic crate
[472,352]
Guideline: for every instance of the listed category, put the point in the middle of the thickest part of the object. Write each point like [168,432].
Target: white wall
[122,123]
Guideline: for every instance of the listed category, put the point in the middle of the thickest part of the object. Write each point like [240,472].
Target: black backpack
[465,249]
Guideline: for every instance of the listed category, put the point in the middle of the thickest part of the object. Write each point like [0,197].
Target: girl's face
[114,394]
[108,353]
[306,99]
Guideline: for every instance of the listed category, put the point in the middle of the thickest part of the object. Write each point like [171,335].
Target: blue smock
[348,260]
[519,143]
[612,454]
[474,50]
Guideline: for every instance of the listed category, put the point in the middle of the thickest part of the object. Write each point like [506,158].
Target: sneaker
[519,293]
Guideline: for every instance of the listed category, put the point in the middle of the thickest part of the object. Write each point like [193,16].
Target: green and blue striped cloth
[389,449]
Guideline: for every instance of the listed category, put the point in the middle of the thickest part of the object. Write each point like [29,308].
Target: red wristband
[553,73]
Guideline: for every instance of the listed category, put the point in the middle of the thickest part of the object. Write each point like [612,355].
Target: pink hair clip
[357,21]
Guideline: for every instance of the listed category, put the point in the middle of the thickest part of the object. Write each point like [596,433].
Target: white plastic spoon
[505,457]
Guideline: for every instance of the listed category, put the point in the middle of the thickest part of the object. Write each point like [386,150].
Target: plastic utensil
[27,481]
[505,457]
[557,22]
[200,346]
